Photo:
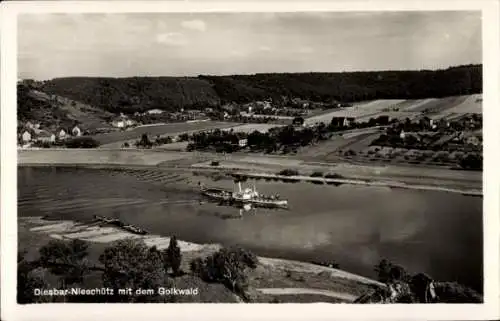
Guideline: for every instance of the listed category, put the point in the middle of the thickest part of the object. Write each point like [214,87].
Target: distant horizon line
[261,73]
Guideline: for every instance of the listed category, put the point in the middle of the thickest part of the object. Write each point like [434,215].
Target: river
[434,232]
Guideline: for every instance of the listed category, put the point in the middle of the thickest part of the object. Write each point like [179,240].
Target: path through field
[289,291]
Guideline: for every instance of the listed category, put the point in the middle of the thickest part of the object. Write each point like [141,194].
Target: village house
[119,123]
[76,131]
[26,137]
[61,135]
[263,104]
[122,121]
[343,121]
[242,142]
[154,112]
[193,114]
[348,121]
[442,123]
[426,122]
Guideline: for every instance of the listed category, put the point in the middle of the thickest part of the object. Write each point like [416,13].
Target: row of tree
[285,138]
[138,94]
[420,287]
[73,142]
[349,86]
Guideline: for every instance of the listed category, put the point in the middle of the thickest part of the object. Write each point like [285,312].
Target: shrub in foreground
[227,266]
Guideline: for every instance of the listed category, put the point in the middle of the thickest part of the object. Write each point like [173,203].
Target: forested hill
[142,93]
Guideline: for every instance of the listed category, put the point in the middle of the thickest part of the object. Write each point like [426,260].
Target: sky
[191,44]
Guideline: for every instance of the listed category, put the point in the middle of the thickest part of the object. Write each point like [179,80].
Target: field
[395,108]
[249,128]
[439,106]
[90,117]
[471,105]
[326,150]
[359,141]
[358,110]
[153,131]
[402,109]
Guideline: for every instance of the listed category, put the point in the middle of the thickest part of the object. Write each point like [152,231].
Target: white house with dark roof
[62,134]
[154,111]
[76,131]
[26,136]
[122,121]
[119,123]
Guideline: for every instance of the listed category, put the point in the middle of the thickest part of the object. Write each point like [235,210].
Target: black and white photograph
[250,157]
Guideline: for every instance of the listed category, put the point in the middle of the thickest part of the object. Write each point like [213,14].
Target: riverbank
[445,180]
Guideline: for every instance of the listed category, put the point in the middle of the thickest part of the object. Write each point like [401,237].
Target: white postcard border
[11,311]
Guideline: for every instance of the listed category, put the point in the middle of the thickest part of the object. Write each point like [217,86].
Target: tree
[173,256]
[472,161]
[30,279]
[196,266]
[298,121]
[383,270]
[227,266]
[145,142]
[131,264]
[398,273]
[66,259]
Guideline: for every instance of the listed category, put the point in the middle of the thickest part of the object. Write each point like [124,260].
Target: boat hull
[265,204]
[229,198]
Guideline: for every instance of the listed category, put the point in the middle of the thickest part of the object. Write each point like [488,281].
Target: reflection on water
[438,233]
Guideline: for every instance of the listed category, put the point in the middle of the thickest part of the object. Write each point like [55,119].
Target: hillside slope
[352,86]
[54,111]
[172,93]
[135,94]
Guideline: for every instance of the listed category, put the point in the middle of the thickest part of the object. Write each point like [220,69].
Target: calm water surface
[356,226]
